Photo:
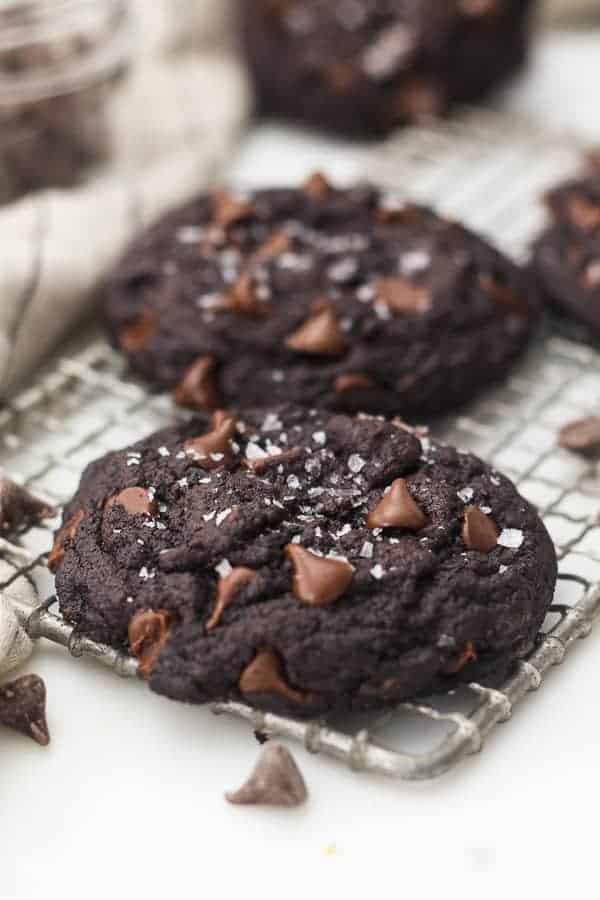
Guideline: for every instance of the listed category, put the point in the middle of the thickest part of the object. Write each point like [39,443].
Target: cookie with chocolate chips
[348,300]
[567,256]
[363,67]
[303,562]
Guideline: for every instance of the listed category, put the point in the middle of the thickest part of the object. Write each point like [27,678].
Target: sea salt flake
[271,423]
[133,461]
[293,482]
[378,572]
[495,481]
[253,451]
[296,539]
[163,451]
[209,516]
[511,538]
[224,568]
[319,437]
[414,261]
[466,494]
[366,550]
[222,516]
[183,482]
[190,234]
[129,599]
[146,573]
[356,463]
[486,509]
[502,570]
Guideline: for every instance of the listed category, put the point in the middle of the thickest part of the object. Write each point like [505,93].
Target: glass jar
[59,59]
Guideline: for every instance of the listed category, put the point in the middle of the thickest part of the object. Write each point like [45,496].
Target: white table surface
[128,799]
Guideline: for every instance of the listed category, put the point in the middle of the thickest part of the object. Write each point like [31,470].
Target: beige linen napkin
[174,122]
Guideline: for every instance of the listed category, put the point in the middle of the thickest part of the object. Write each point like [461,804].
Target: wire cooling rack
[490,172]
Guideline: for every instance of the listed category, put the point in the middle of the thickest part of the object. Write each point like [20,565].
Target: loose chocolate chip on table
[23,708]
[582,436]
[18,506]
[276,780]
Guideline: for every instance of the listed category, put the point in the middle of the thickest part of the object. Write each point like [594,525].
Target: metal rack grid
[84,403]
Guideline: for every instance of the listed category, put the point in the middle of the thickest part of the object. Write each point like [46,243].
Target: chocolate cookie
[363,67]
[344,299]
[567,256]
[303,562]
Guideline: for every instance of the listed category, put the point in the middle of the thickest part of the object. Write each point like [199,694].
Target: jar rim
[59,20]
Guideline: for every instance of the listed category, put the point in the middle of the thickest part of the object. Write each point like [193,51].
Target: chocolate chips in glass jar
[58,63]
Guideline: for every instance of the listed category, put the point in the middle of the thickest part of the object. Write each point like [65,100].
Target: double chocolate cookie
[363,67]
[567,256]
[303,562]
[344,299]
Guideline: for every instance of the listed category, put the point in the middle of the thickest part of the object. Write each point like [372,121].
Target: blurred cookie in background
[363,67]
[567,256]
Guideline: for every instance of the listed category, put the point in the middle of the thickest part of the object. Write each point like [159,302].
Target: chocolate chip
[264,675]
[135,500]
[136,336]
[18,506]
[227,589]
[67,533]
[479,9]
[319,336]
[397,509]
[317,187]
[469,654]
[148,633]
[23,708]
[198,388]
[503,294]
[583,213]
[582,436]
[479,531]
[263,463]
[228,211]
[402,296]
[406,214]
[275,780]
[213,449]
[357,382]
[318,580]
[243,299]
